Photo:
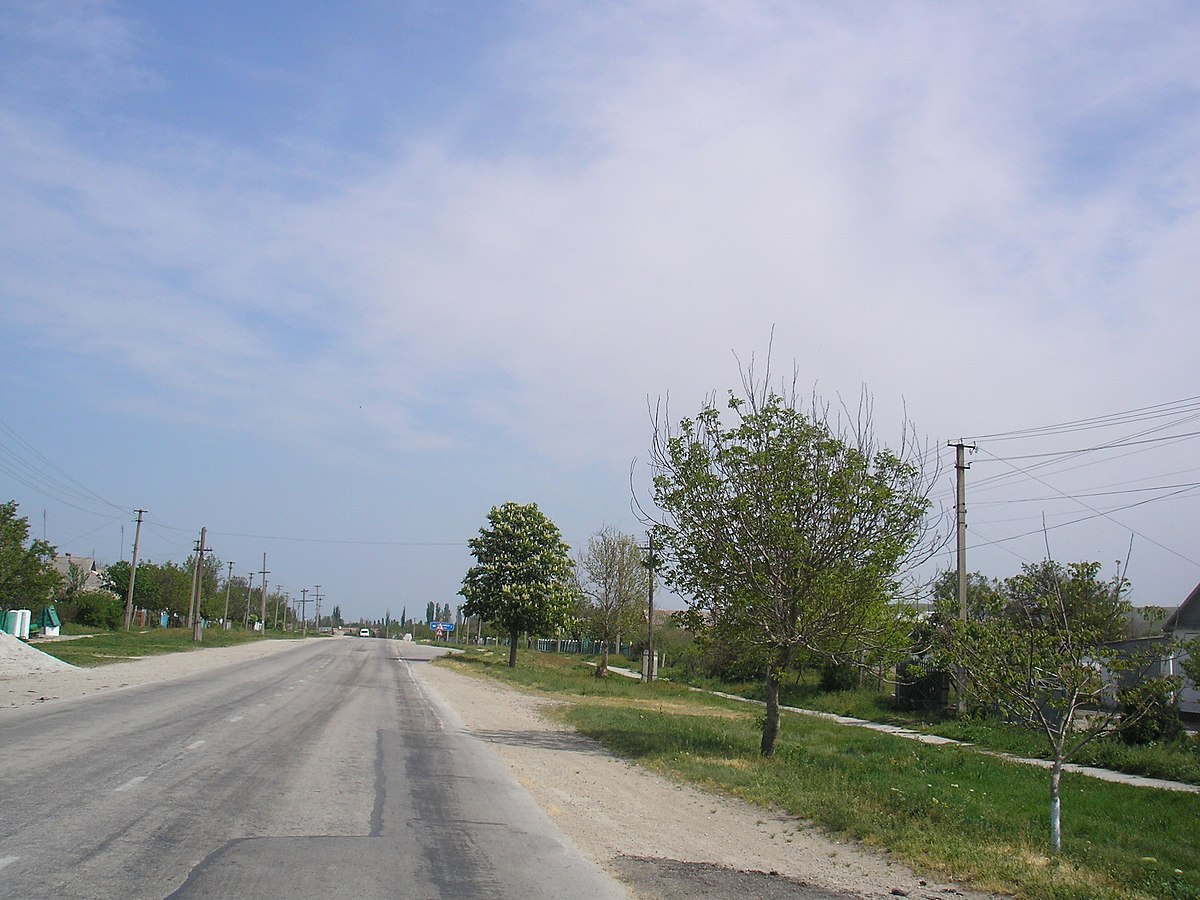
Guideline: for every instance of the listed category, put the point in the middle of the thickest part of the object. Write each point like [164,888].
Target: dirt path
[23,683]
[662,838]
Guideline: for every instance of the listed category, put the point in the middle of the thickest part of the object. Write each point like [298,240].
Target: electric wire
[1099,514]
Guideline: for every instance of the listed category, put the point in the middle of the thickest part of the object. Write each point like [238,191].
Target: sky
[333,280]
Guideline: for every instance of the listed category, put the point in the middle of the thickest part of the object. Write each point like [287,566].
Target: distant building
[1184,625]
[88,568]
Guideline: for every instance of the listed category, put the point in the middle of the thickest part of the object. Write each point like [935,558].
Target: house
[86,569]
[1184,625]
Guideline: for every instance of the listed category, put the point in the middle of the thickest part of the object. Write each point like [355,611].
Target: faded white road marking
[7,860]
[193,746]
[237,718]
[132,782]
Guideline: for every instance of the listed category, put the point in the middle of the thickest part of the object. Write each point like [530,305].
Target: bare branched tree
[612,579]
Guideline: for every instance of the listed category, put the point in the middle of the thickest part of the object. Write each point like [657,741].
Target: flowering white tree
[523,578]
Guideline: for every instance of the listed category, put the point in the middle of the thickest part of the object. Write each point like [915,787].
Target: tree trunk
[771,721]
[602,669]
[514,635]
[1055,806]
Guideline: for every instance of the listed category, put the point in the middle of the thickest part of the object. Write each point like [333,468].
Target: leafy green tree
[430,613]
[1190,664]
[172,585]
[72,584]
[335,617]
[787,529]
[612,581]
[116,579]
[27,575]
[1044,650]
[981,591]
[522,578]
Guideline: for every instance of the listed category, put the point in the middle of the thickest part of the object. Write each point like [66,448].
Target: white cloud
[907,194]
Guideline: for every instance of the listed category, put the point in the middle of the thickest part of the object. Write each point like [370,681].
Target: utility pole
[317,608]
[197,631]
[132,568]
[249,594]
[303,597]
[648,665]
[228,583]
[960,509]
[192,592]
[304,617]
[262,618]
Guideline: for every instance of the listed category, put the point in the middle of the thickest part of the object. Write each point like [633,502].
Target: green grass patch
[108,647]
[951,810]
[1177,761]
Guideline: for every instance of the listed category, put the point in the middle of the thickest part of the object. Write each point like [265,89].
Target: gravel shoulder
[663,838]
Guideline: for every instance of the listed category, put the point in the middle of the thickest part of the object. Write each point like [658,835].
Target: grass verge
[108,647]
[1177,761]
[967,816]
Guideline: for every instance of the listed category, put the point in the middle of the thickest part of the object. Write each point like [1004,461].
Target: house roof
[1188,614]
[62,564]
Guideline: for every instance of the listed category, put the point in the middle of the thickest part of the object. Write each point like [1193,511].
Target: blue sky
[333,283]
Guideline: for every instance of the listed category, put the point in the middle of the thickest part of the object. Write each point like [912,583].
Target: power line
[1098,514]
[1113,493]
[1140,414]
[46,478]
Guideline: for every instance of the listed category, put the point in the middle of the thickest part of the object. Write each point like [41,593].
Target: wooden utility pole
[303,597]
[262,616]
[197,631]
[133,570]
[317,606]
[228,585]
[960,509]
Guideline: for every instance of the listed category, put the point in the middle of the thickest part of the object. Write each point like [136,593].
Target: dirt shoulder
[662,838]
[67,682]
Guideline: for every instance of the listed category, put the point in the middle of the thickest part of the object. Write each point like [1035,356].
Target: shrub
[1150,713]
[839,676]
[99,609]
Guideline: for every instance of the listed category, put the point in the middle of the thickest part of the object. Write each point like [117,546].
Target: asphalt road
[327,771]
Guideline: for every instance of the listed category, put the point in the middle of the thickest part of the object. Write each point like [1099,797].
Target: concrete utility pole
[192,591]
[133,570]
[304,617]
[197,631]
[262,618]
[303,597]
[228,584]
[960,508]
[249,594]
[648,666]
[317,607]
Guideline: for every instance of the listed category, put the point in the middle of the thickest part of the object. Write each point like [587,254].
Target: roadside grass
[107,647]
[1177,761]
[965,815]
